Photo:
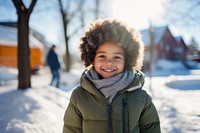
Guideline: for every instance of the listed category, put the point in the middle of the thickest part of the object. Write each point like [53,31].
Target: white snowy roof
[158,33]
[8,37]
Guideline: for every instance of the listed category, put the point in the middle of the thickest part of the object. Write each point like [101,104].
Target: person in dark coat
[53,63]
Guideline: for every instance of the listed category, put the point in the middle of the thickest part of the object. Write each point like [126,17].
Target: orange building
[8,49]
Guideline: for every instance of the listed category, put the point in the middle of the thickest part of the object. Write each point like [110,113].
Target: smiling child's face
[109,59]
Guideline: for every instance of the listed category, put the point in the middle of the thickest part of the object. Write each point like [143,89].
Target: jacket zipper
[125,114]
[109,109]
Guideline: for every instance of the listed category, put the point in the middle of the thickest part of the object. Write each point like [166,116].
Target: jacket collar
[137,83]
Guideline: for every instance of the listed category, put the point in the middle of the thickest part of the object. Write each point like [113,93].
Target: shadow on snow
[185,85]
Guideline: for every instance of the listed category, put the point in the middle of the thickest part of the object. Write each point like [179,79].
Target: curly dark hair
[112,30]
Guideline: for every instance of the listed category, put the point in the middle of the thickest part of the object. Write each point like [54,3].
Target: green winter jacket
[131,110]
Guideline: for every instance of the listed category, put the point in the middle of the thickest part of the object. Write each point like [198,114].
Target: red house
[183,48]
[164,46]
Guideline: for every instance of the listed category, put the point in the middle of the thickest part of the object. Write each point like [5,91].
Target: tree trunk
[65,30]
[23,50]
[97,9]
[67,17]
[66,38]
[24,75]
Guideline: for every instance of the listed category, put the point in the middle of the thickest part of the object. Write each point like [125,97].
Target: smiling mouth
[108,71]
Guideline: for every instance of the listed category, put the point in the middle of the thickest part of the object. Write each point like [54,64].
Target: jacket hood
[138,82]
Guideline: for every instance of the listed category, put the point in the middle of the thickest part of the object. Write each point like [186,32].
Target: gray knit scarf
[110,86]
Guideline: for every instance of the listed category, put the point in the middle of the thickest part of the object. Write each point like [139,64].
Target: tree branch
[30,9]
[79,8]
[19,5]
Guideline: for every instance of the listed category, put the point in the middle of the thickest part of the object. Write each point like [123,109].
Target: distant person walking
[53,63]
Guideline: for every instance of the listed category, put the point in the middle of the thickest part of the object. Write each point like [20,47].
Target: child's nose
[109,62]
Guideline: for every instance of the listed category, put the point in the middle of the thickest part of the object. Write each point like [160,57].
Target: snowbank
[36,110]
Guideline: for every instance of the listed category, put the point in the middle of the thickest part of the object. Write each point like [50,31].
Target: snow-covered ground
[40,109]
[177,100]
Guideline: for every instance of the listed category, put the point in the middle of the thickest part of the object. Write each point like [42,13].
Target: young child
[110,98]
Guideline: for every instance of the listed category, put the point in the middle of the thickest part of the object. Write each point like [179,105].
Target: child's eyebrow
[100,52]
[117,53]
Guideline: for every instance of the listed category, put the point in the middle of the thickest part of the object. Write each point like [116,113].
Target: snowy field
[40,109]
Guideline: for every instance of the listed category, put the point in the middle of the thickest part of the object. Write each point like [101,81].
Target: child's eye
[118,57]
[102,56]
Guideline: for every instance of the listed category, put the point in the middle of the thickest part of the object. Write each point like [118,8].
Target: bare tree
[97,3]
[193,47]
[24,73]
[185,12]
[67,17]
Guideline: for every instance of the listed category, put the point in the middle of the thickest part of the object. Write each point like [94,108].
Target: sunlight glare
[137,12]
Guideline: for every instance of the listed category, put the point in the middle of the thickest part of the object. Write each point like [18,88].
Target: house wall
[185,49]
[8,57]
[36,58]
[166,47]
